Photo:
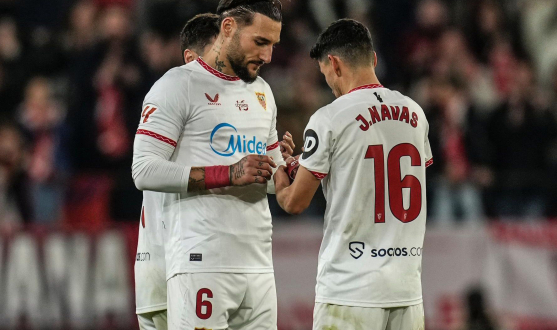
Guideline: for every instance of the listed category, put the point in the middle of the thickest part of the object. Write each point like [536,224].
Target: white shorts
[327,316]
[222,301]
[153,320]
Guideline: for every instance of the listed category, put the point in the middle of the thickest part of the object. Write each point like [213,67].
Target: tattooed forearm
[196,180]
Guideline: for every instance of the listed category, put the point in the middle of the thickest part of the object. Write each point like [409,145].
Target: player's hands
[292,165]
[281,179]
[251,169]
[287,145]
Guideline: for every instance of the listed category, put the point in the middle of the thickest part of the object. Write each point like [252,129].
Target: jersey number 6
[396,183]
[200,303]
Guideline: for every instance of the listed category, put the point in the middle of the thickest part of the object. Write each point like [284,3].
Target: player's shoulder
[179,74]
[415,107]
[396,95]
[174,79]
[262,84]
[324,114]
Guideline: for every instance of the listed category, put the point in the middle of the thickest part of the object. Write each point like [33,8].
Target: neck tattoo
[219,65]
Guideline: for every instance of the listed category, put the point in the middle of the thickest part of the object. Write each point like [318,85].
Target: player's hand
[251,169]
[287,145]
[292,165]
[281,179]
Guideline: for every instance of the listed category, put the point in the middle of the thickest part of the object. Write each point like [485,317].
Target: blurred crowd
[73,74]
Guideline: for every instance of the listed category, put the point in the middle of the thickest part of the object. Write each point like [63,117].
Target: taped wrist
[217,177]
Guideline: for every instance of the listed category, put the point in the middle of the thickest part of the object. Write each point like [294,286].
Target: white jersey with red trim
[208,118]
[150,276]
[371,149]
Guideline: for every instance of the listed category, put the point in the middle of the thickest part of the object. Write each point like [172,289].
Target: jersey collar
[215,72]
[366,87]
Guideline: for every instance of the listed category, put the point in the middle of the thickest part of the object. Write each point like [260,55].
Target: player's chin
[254,69]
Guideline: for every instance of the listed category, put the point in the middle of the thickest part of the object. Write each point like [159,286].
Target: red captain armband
[217,177]
[292,166]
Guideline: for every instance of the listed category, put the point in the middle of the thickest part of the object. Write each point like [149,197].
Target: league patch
[262,100]
[311,142]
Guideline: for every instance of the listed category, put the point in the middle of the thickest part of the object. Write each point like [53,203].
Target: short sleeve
[318,139]
[165,108]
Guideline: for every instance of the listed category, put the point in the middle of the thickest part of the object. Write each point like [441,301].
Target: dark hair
[198,32]
[244,10]
[348,39]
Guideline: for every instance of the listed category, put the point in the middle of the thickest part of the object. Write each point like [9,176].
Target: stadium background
[73,75]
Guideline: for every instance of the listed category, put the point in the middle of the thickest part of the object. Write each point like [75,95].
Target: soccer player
[207,140]
[197,37]
[369,149]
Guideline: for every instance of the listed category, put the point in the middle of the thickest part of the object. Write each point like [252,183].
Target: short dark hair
[244,10]
[348,39]
[199,32]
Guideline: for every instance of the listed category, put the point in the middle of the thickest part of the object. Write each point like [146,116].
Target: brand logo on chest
[213,100]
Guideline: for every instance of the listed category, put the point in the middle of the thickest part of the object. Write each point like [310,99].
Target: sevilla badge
[262,100]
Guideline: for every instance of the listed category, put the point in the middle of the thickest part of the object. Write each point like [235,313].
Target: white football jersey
[150,276]
[210,118]
[371,149]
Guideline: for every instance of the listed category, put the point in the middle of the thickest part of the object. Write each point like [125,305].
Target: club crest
[262,100]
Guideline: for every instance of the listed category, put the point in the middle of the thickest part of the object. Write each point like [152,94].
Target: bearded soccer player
[207,141]
[369,149]
[197,37]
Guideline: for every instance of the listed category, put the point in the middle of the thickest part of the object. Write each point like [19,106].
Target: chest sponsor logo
[242,105]
[213,100]
[237,142]
[311,142]
[262,100]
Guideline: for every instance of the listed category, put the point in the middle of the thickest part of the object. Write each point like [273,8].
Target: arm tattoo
[196,180]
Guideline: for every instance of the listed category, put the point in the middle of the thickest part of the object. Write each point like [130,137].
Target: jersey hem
[403,303]
[223,270]
[150,309]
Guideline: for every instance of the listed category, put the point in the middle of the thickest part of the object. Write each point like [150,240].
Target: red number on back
[396,183]
[204,303]
[376,152]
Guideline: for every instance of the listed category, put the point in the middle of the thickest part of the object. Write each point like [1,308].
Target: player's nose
[266,55]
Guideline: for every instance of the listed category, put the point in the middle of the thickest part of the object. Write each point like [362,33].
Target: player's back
[376,197]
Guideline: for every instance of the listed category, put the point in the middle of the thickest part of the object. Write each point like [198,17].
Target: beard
[238,63]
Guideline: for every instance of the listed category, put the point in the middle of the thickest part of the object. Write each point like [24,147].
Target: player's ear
[188,56]
[228,26]
[374,59]
[335,62]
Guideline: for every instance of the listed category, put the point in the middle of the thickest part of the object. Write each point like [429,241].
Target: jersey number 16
[396,183]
